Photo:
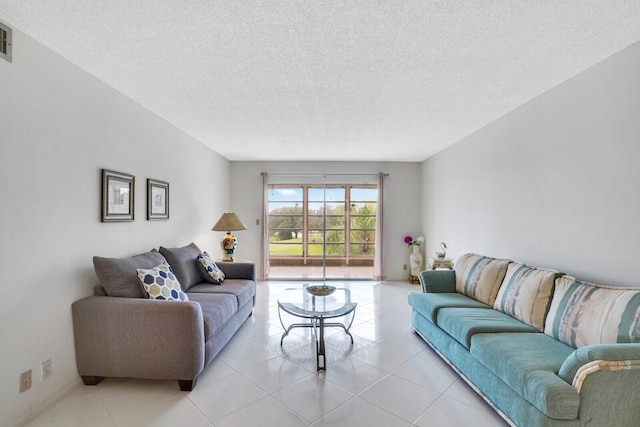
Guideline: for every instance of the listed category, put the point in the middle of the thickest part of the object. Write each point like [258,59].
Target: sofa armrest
[607,379]
[606,352]
[139,338]
[238,270]
[438,281]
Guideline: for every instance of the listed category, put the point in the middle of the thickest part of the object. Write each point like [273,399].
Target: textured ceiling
[330,80]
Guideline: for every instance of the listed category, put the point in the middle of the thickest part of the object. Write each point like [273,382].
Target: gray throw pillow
[118,276]
[184,262]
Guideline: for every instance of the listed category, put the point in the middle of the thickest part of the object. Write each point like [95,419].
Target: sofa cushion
[586,314]
[480,277]
[243,290]
[429,304]
[528,363]
[217,309]
[118,276]
[161,284]
[463,323]
[210,270]
[184,262]
[526,293]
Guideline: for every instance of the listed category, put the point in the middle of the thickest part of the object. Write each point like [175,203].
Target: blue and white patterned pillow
[480,277]
[160,283]
[583,313]
[212,273]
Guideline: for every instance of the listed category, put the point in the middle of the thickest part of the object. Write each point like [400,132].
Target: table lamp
[229,222]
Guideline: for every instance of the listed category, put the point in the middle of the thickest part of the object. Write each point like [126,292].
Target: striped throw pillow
[585,314]
[480,277]
[526,294]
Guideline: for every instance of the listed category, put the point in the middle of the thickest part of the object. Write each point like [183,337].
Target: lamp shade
[229,221]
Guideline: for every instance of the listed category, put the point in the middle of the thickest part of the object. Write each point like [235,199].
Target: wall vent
[5,42]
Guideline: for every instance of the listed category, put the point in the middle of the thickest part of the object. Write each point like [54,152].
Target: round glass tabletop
[300,302]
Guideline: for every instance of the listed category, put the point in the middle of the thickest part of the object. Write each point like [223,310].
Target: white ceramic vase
[415,261]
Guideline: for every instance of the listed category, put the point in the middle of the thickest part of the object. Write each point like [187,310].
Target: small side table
[435,263]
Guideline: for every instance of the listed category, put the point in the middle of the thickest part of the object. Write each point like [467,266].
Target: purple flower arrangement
[410,241]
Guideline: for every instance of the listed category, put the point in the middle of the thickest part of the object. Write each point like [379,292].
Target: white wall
[555,183]
[58,127]
[402,202]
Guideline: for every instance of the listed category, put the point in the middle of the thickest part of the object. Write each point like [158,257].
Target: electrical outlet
[25,381]
[404,266]
[46,369]
[257,222]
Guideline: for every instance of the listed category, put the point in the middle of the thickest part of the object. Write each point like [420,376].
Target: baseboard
[43,406]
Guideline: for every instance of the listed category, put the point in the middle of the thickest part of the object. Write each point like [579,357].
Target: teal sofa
[542,348]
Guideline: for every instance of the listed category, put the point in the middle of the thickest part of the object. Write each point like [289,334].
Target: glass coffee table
[300,302]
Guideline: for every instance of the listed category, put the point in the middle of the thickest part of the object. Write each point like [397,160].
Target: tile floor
[388,377]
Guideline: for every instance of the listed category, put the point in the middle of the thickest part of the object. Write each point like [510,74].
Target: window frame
[346,242]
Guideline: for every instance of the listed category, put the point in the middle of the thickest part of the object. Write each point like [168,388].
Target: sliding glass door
[321,231]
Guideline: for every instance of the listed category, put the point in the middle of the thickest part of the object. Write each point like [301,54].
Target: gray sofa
[543,348]
[120,332]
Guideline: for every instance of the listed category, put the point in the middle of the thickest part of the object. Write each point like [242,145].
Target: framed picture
[157,199]
[118,194]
